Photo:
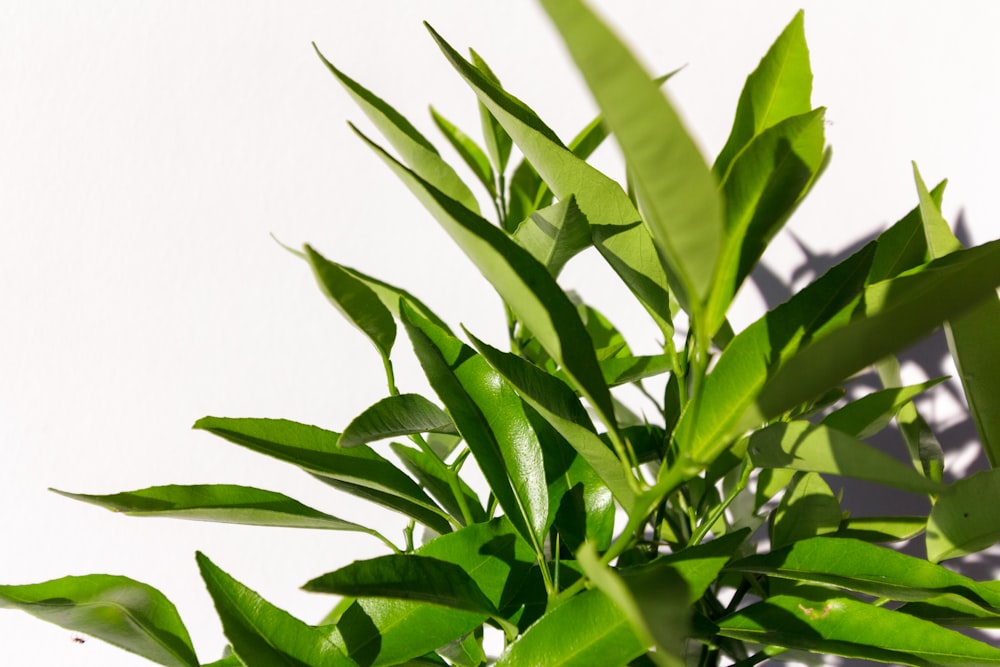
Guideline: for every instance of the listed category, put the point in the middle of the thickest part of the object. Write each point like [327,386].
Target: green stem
[717,512]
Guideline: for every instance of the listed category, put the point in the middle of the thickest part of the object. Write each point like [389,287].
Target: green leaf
[925,450]
[902,247]
[467,149]
[358,303]
[972,338]
[625,370]
[261,634]
[498,142]
[413,148]
[963,520]
[854,629]
[617,227]
[653,600]
[890,315]
[358,470]
[555,401]
[677,191]
[807,509]
[407,577]
[224,503]
[491,419]
[958,611]
[523,283]
[882,528]
[121,611]
[588,629]
[871,413]
[866,568]
[388,632]
[401,414]
[555,234]
[780,87]
[800,445]
[390,297]
[438,478]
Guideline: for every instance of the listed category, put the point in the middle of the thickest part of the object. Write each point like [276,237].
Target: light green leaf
[780,87]
[261,634]
[413,148]
[523,283]
[624,370]
[391,295]
[854,629]
[925,450]
[807,509]
[618,231]
[401,414]
[224,503]
[491,419]
[882,528]
[964,520]
[677,191]
[588,629]
[555,234]
[958,611]
[498,142]
[871,413]
[972,337]
[467,149]
[121,611]
[653,600]
[438,479]
[359,470]
[801,445]
[407,577]
[358,303]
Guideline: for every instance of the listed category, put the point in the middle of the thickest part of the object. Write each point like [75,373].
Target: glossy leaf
[491,419]
[866,568]
[972,337]
[407,577]
[780,87]
[261,634]
[525,285]
[653,600]
[807,509]
[358,470]
[413,148]
[854,629]
[588,629]
[224,503]
[618,231]
[358,303]
[471,154]
[871,413]
[437,478]
[677,191]
[963,520]
[555,234]
[115,609]
[401,414]
[801,445]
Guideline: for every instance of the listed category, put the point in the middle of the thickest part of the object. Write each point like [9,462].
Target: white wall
[148,149]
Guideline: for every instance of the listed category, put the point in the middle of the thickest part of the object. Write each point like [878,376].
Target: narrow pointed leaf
[115,609]
[391,295]
[925,450]
[882,528]
[800,445]
[261,634]
[903,247]
[807,509]
[437,478]
[524,284]
[972,337]
[624,370]
[402,414]
[407,577]
[555,234]
[224,503]
[964,520]
[616,225]
[780,87]
[498,142]
[467,149]
[854,629]
[358,470]
[681,203]
[413,148]
[359,304]
[871,413]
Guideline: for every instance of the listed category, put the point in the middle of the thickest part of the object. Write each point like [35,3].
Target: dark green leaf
[467,149]
[438,478]
[118,610]
[263,635]
[390,297]
[402,414]
[882,528]
[555,234]
[358,470]
[925,450]
[964,520]
[407,577]
[871,413]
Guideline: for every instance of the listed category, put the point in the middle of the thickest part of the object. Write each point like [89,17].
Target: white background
[147,151]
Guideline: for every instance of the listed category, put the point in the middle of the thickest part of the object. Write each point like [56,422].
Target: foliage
[732,546]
